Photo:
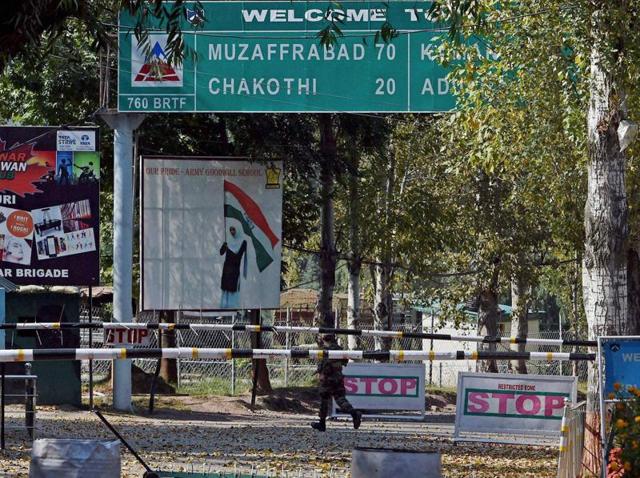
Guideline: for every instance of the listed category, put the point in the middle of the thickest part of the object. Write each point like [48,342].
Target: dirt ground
[223,433]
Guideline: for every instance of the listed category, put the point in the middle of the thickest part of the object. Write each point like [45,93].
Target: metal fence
[234,376]
[555,367]
[572,440]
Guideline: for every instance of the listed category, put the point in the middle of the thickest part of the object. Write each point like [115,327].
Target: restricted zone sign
[509,404]
[267,57]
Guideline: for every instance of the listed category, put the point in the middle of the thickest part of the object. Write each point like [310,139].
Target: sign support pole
[2,397]
[256,318]
[603,410]
[90,346]
[123,125]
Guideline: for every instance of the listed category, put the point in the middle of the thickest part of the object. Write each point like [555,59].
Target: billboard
[49,205]
[384,386]
[265,56]
[211,233]
[509,404]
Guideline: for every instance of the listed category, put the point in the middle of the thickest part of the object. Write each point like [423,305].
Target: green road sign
[265,56]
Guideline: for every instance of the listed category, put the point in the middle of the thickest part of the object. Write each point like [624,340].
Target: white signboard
[127,336]
[385,387]
[509,404]
[77,140]
[211,234]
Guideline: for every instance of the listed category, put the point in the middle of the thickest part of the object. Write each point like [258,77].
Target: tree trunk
[520,297]
[168,367]
[488,318]
[328,254]
[355,260]
[383,311]
[605,260]
[263,385]
[353,301]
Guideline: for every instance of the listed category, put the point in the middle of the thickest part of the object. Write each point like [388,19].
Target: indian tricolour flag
[240,206]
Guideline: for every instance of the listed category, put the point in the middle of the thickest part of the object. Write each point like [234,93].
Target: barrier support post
[154,383]
[90,346]
[2,397]
[256,318]
[431,350]
[603,410]
[29,401]
[233,361]
[287,342]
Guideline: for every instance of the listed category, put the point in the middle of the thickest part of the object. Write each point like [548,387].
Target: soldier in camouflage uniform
[332,386]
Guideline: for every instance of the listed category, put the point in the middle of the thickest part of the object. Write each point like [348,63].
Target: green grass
[440,390]
[212,387]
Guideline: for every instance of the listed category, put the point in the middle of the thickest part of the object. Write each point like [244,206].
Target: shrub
[624,458]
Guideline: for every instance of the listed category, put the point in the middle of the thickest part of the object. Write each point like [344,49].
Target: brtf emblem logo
[152,69]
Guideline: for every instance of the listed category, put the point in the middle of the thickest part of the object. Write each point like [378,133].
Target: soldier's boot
[357,418]
[319,426]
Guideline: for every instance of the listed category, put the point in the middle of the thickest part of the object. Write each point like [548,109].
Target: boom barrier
[294,329]
[29,355]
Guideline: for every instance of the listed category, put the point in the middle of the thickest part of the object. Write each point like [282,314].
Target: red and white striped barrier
[28,355]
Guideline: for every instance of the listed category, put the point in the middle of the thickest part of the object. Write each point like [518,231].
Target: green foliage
[56,86]
[514,151]
[31,23]
[624,458]
[522,116]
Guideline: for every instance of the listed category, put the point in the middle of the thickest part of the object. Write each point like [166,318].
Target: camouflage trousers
[336,391]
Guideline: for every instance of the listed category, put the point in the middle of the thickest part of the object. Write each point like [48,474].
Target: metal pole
[560,337]
[603,411]
[90,346]
[2,396]
[29,400]
[122,440]
[430,350]
[287,342]
[178,344]
[123,125]
[257,319]
[154,383]
[233,361]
